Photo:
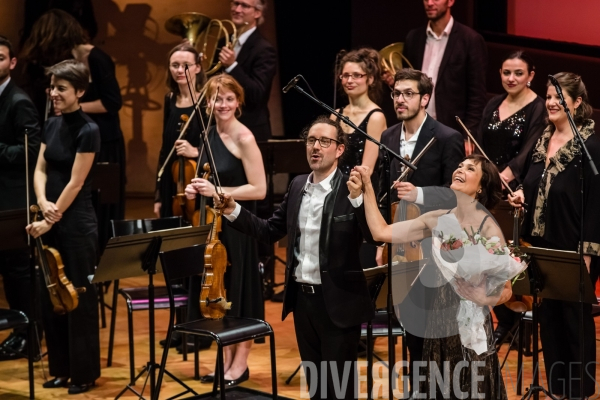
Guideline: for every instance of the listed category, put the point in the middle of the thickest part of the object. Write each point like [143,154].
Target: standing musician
[62,183]
[454,56]
[325,285]
[178,102]
[551,190]
[512,123]
[411,94]
[240,172]
[17,115]
[252,62]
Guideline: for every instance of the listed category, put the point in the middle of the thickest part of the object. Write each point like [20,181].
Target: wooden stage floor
[13,374]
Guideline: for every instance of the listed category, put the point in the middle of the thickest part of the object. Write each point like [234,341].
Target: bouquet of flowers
[467,255]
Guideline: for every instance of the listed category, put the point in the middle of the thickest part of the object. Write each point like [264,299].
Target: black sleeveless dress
[167,188]
[355,147]
[73,340]
[242,279]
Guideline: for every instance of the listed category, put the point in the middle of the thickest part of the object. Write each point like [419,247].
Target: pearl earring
[529,84]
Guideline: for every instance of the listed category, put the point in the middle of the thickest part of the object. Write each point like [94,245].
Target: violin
[183,171]
[64,296]
[518,303]
[213,300]
[406,252]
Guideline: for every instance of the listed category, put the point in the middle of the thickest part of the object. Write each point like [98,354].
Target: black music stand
[287,157]
[550,274]
[122,259]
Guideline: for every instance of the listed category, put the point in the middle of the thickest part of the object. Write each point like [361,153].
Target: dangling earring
[529,84]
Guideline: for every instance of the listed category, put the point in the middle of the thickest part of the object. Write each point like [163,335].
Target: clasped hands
[51,216]
[199,186]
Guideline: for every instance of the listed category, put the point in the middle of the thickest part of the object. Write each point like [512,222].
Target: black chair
[137,297]
[11,319]
[182,263]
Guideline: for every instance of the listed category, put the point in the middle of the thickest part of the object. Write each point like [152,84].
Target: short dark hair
[6,43]
[74,72]
[523,56]
[491,187]
[323,119]
[424,83]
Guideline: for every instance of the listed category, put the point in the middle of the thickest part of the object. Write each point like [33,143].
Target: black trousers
[322,344]
[14,268]
[559,333]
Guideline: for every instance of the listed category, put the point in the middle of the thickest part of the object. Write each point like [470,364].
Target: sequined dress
[355,146]
[509,142]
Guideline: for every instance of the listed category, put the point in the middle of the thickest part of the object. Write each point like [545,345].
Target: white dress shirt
[309,224]
[407,148]
[238,46]
[435,46]
[4,85]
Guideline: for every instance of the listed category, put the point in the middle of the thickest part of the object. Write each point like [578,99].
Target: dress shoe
[500,334]
[242,378]
[57,382]
[9,341]
[174,342]
[207,379]
[76,389]
[14,349]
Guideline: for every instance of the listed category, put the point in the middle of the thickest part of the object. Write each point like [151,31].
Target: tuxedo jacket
[460,87]
[17,114]
[342,228]
[436,166]
[257,62]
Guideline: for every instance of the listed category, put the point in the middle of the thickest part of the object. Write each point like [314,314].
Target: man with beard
[411,94]
[455,57]
[325,285]
[17,115]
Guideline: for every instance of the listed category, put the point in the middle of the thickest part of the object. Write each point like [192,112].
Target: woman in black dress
[241,173]
[62,184]
[57,36]
[551,190]
[512,122]
[511,125]
[178,102]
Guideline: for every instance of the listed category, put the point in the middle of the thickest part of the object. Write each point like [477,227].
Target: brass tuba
[189,25]
[392,58]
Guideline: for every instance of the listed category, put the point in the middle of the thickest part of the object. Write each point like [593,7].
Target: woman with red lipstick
[512,122]
[178,102]
[241,173]
[360,78]
[551,189]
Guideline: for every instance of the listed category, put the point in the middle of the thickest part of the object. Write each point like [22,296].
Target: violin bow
[407,170]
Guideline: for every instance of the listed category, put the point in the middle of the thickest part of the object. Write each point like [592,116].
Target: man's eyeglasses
[355,76]
[407,94]
[325,142]
[245,7]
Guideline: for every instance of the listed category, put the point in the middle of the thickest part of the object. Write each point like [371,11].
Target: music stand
[280,156]
[123,257]
[552,274]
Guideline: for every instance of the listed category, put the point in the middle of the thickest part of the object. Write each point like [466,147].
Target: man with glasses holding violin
[252,62]
[325,285]
[410,95]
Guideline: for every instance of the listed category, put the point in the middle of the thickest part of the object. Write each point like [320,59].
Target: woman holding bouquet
[551,189]
[476,183]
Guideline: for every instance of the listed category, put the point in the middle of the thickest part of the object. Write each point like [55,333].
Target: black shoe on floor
[207,379]
[76,389]
[174,342]
[234,382]
[58,382]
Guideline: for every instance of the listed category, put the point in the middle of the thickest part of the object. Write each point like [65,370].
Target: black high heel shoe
[58,382]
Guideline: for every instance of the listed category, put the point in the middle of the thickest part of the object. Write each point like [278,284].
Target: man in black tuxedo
[325,285]
[455,57]
[411,94]
[17,114]
[252,62]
